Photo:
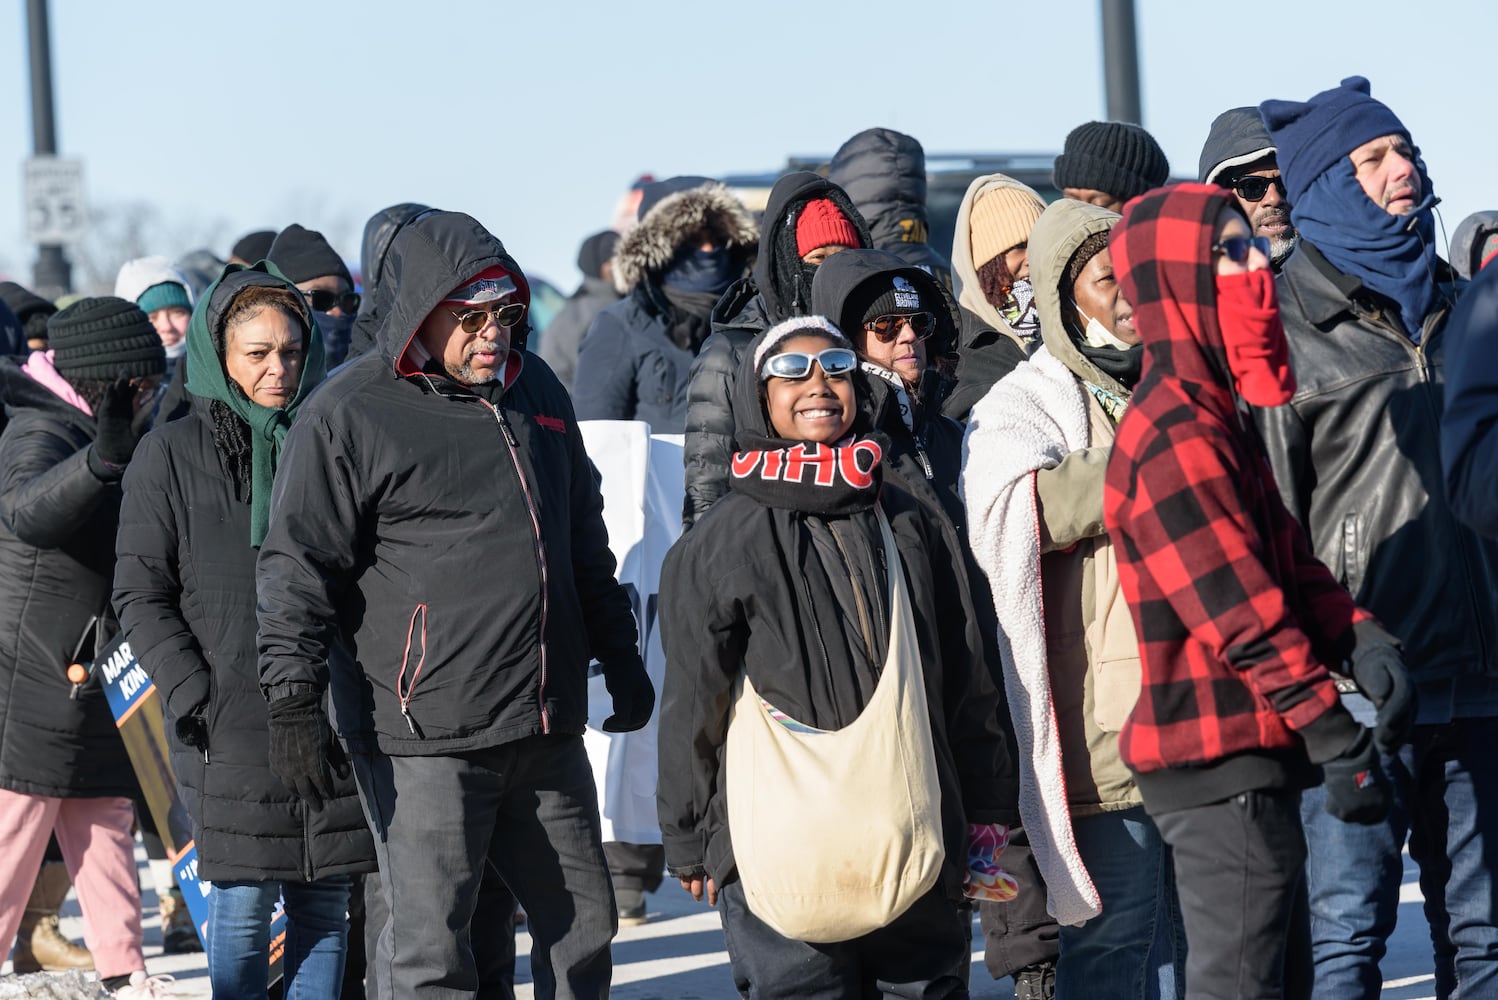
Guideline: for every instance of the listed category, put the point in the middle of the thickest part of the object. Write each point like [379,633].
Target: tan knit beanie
[1001,218]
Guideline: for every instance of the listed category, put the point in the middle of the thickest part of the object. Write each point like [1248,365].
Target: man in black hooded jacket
[434,508]
[778,288]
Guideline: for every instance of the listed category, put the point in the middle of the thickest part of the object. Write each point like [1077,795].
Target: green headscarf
[207,378]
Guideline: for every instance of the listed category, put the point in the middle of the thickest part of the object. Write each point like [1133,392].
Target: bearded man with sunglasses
[1356,454]
[1240,156]
[436,512]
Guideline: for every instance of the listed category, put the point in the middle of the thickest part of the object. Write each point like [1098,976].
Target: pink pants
[94,835]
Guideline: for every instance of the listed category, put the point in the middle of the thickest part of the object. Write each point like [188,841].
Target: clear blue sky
[534,117]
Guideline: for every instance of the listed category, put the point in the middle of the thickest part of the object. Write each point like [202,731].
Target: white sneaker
[143,987]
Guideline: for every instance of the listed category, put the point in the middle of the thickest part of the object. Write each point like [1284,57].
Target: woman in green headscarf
[197,503]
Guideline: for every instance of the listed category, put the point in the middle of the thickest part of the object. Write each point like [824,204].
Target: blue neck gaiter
[1394,255]
[701,271]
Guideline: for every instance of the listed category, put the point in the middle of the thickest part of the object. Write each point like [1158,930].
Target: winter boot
[40,946]
[178,935]
[1036,982]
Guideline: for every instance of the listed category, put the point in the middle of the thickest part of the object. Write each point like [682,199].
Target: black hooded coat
[632,364]
[379,233]
[765,590]
[750,307]
[185,592]
[451,535]
[884,172]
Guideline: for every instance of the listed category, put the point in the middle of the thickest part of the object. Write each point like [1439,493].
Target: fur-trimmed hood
[653,244]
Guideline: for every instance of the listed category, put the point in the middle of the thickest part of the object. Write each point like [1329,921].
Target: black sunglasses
[1254,187]
[1237,247]
[321,300]
[474,320]
[796,365]
[887,327]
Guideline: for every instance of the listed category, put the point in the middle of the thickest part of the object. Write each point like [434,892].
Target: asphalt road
[678,954]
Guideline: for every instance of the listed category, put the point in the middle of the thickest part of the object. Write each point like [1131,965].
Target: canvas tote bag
[836,833]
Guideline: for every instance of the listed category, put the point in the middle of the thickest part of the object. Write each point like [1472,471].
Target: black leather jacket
[1356,453]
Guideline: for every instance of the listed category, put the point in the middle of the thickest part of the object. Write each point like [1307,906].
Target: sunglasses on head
[887,327]
[321,300]
[1237,247]
[474,320]
[1253,187]
[834,362]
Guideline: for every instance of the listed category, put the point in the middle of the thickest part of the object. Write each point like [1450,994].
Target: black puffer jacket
[630,366]
[752,588]
[747,309]
[57,527]
[185,592]
[884,172]
[453,535]
[379,232]
[1356,453]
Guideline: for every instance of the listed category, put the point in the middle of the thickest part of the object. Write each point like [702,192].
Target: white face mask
[1098,335]
[176,350]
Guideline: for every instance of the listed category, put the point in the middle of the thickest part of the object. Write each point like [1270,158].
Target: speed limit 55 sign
[55,211]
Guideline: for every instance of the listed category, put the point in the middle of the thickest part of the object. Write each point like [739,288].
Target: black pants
[491,933]
[1240,872]
[528,808]
[923,955]
[1021,932]
[637,867]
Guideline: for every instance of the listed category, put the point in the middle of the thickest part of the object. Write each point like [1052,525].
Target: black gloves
[1357,791]
[192,731]
[304,754]
[118,433]
[633,695]
[1378,670]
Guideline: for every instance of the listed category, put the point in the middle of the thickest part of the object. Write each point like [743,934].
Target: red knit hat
[822,224]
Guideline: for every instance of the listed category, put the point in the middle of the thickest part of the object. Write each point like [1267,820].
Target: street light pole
[53,275]
[1121,61]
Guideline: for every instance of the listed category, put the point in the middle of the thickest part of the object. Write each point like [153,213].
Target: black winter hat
[595,252]
[104,338]
[1236,139]
[1114,157]
[303,254]
[254,246]
[24,302]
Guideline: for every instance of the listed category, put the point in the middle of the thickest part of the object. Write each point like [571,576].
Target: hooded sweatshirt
[770,585]
[1237,620]
[751,306]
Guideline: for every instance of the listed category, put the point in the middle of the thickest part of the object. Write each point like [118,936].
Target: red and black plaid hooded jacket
[1236,618]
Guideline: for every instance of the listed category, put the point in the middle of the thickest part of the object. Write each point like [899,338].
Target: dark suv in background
[947,178]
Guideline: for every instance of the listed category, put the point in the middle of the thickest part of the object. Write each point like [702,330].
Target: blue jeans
[1446,800]
[1135,948]
[316,937]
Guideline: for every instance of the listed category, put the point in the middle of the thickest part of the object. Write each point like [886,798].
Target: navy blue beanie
[1312,135]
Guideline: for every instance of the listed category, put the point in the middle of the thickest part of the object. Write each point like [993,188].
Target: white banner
[643,488]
